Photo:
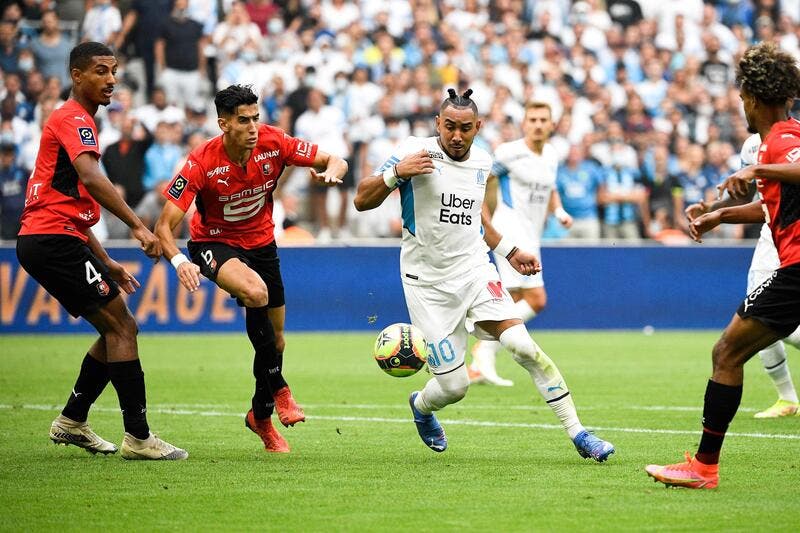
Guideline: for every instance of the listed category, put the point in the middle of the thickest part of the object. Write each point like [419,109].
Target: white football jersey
[749,151]
[765,257]
[525,182]
[442,231]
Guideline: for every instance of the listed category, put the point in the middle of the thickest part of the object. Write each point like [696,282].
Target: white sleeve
[748,155]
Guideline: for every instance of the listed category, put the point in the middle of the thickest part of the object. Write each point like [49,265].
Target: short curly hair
[769,74]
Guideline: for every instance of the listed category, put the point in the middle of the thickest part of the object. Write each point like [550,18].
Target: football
[400,350]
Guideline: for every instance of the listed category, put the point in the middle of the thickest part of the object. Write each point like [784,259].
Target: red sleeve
[785,148]
[77,134]
[298,152]
[185,185]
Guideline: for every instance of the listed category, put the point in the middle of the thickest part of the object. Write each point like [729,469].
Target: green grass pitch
[357,463]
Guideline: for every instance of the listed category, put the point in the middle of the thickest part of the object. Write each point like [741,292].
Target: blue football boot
[429,429]
[590,446]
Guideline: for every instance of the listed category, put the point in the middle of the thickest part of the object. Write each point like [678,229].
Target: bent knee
[255,296]
[725,356]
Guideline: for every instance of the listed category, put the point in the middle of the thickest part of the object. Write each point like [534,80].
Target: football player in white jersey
[765,261]
[446,274]
[520,193]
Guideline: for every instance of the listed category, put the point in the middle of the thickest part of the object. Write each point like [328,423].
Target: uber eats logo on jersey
[455,210]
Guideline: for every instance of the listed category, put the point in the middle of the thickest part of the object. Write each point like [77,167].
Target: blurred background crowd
[647,117]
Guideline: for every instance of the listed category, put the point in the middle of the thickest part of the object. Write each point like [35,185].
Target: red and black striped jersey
[56,201]
[782,200]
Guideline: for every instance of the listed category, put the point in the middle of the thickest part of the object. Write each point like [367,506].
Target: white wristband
[178,259]
[560,213]
[504,247]
[390,177]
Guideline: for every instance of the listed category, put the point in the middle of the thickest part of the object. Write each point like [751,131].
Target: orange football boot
[273,441]
[289,412]
[692,474]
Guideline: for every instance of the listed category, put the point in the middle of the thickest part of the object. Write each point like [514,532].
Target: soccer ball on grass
[400,350]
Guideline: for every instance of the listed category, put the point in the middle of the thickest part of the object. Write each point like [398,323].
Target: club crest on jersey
[87,136]
[266,168]
[178,186]
[103,289]
[481,177]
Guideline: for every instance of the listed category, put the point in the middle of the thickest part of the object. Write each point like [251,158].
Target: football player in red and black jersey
[231,179]
[57,248]
[768,78]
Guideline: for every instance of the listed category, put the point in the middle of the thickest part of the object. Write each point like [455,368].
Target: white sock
[442,390]
[545,376]
[524,309]
[774,359]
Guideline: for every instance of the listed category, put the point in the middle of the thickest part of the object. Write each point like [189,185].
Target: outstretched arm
[522,261]
[188,272]
[328,169]
[741,214]
[102,190]
[738,183]
[118,272]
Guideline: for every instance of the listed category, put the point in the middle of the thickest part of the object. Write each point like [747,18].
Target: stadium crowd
[647,118]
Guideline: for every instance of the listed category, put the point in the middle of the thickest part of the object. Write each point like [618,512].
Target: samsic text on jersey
[234,203]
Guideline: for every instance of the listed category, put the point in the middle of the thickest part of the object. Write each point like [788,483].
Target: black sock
[267,362]
[721,404]
[91,381]
[128,379]
[262,402]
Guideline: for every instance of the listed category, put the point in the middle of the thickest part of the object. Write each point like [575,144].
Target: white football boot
[152,448]
[66,431]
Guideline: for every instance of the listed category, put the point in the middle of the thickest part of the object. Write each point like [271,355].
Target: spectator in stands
[579,182]
[622,196]
[141,24]
[158,111]
[665,198]
[180,58]
[162,156]
[51,49]
[326,126]
[13,182]
[10,46]
[102,23]
[124,160]
[235,33]
[694,185]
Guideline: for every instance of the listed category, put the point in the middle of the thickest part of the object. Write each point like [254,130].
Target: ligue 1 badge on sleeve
[87,136]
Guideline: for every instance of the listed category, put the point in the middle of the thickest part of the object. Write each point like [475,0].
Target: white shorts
[513,279]
[442,312]
[765,260]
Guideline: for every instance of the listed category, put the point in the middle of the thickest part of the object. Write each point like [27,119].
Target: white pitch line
[482,407]
[481,423]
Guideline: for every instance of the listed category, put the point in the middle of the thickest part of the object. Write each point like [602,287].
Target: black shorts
[68,270]
[776,302]
[210,256]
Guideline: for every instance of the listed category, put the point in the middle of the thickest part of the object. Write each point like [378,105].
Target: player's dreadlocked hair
[769,74]
[459,101]
[81,56]
[228,99]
